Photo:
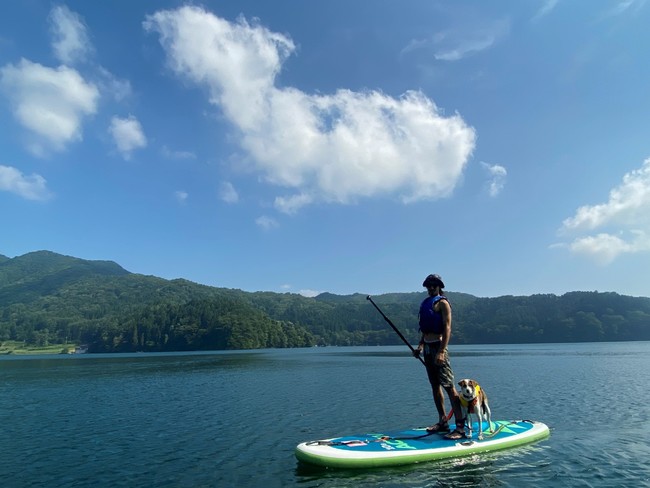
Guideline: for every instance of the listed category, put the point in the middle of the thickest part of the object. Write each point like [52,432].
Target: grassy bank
[19,347]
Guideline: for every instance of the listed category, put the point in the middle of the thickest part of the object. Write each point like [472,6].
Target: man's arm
[445,310]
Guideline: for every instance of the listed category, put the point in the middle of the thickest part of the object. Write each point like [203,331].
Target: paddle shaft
[395,328]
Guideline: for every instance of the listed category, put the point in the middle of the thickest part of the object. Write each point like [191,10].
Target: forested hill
[50,298]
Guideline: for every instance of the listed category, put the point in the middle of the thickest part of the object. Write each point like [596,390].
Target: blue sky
[332,146]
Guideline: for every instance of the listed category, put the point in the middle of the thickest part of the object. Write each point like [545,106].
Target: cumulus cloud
[33,187]
[53,103]
[70,37]
[619,226]
[605,248]
[71,45]
[335,147]
[50,103]
[127,134]
[496,178]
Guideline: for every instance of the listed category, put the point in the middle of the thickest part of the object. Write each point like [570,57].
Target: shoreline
[18,349]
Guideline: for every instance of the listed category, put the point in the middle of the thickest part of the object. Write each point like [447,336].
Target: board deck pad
[416,445]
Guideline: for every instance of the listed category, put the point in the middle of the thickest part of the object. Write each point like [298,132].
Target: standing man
[435,326]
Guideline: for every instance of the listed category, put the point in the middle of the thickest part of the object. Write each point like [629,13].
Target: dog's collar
[472,401]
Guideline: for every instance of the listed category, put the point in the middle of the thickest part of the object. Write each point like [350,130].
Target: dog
[474,400]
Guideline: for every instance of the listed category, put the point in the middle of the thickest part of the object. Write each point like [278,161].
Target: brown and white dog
[474,400]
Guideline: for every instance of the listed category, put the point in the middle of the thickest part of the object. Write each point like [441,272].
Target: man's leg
[459,431]
[439,401]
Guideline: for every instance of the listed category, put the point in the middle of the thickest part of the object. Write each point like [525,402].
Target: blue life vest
[430,320]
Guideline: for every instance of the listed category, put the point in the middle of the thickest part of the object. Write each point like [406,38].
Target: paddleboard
[415,445]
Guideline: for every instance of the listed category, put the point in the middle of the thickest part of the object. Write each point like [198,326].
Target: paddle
[395,329]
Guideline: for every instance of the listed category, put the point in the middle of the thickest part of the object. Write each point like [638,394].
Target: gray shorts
[439,374]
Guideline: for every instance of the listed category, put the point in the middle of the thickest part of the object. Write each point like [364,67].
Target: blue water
[232,419]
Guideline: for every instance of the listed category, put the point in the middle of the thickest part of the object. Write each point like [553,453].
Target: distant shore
[19,348]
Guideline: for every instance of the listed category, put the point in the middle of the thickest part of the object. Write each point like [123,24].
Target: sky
[332,146]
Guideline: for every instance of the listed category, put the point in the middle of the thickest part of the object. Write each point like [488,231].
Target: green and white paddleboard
[415,445]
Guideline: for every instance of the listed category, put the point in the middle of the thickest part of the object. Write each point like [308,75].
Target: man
[435,326]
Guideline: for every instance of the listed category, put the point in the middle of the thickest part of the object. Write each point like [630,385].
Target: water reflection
[484,470]
[57,367]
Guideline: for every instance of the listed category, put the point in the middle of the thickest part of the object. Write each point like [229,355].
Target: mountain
[50,298]
[34,275]
[47,297]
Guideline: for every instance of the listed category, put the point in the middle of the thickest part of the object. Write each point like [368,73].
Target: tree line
[49,298]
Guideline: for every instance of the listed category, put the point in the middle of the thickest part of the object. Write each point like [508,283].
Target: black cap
[433,280]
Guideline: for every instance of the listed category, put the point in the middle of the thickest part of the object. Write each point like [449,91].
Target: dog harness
[430,320]
[471,404]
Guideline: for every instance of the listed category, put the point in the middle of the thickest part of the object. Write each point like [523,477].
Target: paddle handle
[369,298]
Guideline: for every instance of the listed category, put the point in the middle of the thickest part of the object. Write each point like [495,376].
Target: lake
[233,419]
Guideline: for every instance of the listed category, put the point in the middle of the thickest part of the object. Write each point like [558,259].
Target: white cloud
[306,292]
[625,219]
[497,178]
[117,88]
[457,49]
[181,196]
[309,293]
[628,203]
[327,148]
[266,222]
[291,204]
[605,248]
[71,44]
[227,192]
[623,6]
[168,153]
[127,134]
[32,187]
[70,37]
[461,42]
[545,9]
[50,103]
